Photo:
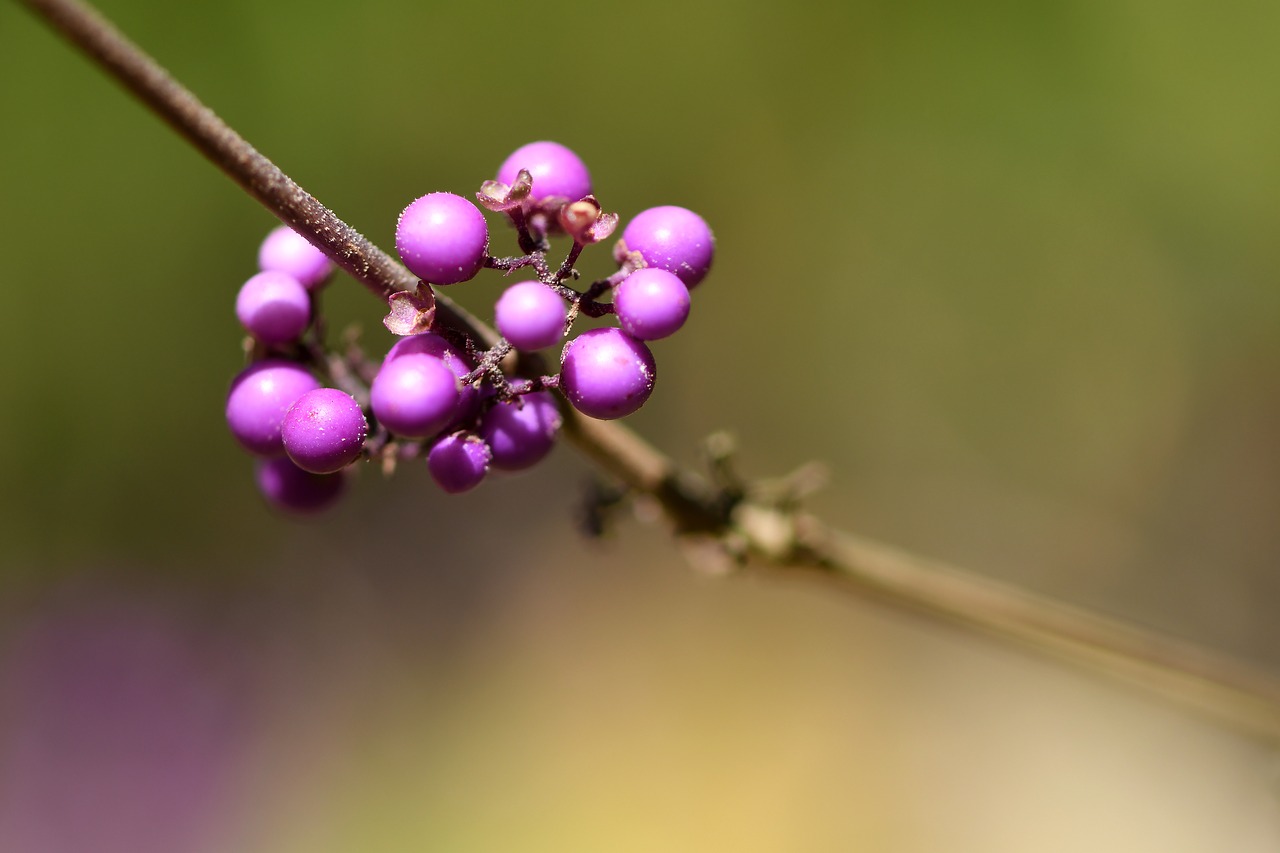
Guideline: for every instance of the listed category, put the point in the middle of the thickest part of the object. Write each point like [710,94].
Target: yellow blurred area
[1009,270]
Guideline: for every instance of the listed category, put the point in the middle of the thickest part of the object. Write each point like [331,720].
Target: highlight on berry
[309,411]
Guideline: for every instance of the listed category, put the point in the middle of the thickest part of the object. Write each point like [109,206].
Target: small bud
[583,221]
[578,217]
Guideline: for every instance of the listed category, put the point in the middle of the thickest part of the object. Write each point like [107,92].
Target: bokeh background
[1009,269]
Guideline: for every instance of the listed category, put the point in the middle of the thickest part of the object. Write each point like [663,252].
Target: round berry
[673,239]
[287,251]
[288,487]
[259,398]
[415,395]
[651,303]
[458,462]
[434,345]
[442,238]
[324,430]
[530,315]
[606,373]
[274,307]
[431,344]
[556,171]
[521,432]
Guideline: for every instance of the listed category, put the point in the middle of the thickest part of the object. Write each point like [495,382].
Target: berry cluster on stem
[440,393]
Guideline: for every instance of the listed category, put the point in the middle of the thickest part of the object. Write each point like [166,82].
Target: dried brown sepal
[500,198]
[411,313]
[626,259]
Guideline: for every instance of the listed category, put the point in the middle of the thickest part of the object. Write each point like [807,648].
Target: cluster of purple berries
[438,394]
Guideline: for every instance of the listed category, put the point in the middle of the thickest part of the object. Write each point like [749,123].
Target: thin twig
[776,537]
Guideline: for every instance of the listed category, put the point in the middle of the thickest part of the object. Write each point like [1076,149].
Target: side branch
[778,539]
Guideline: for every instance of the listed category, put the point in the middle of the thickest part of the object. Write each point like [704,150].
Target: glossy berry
[606,373]
[289,488]
[415,395]
[673,239]
[259,399]
[651,303]
[458,462]
[434,345]
[556,171]
[442,238]
[288,252]
[274,307]
[521,434]
[530,315]
[324,430]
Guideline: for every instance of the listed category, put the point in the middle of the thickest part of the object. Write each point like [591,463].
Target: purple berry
[530,315]
[673,239]
[556,171]
[606,373]
[287,251]
[434,345]
[259,398]
[288,487]
[324,430]
[274,307]
[651,303]
[442,238]
[415,395]
[431,344]
[520,434]
[458,462]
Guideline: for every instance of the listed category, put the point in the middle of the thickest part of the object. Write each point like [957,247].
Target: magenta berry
[415,395]
[431,344]
[530,315]
[259,399]
[458,462]
[520,434]
[324,430]
[434,345]
[556,171]
[606,373]
[442,238]
[274,307]
[651,303]
[288,252]
[673,239]
[287,487]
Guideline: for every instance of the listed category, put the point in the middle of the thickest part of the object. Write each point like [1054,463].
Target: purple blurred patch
[122,730]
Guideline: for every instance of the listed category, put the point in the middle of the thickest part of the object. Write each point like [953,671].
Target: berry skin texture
[259,399]
[674,239]
[459,462]
[442,238]
[530,315]
[556,171]
[324,430]
[415,395]
[274,307]
[521,434]
[287,251]
[287,487]
[651,304]
[606,373]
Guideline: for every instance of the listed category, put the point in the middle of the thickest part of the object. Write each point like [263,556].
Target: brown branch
[777,538]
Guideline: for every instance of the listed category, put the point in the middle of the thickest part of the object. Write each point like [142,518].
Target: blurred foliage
[1009,269]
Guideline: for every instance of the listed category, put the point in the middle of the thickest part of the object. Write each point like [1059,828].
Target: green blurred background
[1009,269]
